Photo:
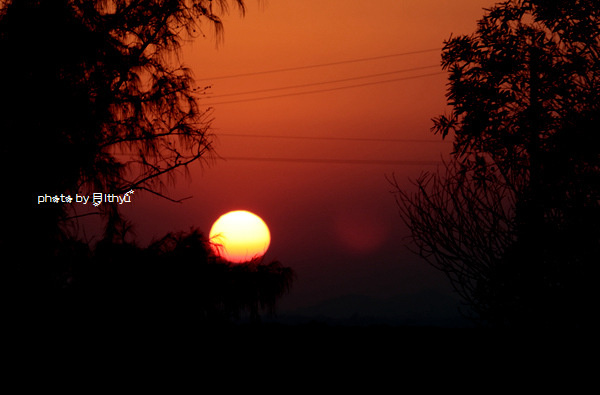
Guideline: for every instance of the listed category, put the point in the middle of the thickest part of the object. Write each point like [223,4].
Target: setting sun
[239,236]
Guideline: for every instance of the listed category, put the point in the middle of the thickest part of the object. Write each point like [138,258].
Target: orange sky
[335,224]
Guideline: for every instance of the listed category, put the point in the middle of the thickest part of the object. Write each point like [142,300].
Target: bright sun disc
[239,236]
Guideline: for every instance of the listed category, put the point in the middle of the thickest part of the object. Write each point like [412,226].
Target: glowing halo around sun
[239,236]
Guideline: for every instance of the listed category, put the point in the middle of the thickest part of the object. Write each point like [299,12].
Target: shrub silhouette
[175,278]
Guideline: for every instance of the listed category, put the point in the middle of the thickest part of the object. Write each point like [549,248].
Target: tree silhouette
[515,219]
[95,100]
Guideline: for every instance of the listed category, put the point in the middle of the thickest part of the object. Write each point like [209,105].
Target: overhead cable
[335,161]
[210,96]
[362,139]
[324,90]
[320,65]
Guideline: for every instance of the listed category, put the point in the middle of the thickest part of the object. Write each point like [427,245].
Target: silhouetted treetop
[526,82]
[107,83]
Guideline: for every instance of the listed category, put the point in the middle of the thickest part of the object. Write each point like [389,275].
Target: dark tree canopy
[96,96]
[523,82]
[515,220]
[95,99]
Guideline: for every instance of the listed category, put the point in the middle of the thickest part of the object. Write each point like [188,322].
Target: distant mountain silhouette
[427,308]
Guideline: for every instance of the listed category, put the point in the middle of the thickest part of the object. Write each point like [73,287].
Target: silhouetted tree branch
[95,99]
[108,83]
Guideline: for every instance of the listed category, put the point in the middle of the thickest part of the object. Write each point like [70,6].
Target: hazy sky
[328,205]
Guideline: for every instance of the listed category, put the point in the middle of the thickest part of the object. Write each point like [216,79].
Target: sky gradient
[319,180]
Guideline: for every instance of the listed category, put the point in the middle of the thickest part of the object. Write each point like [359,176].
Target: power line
[324,90]
[323,82]
[320,65]
[328,161]
[336,161]
[382,140]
